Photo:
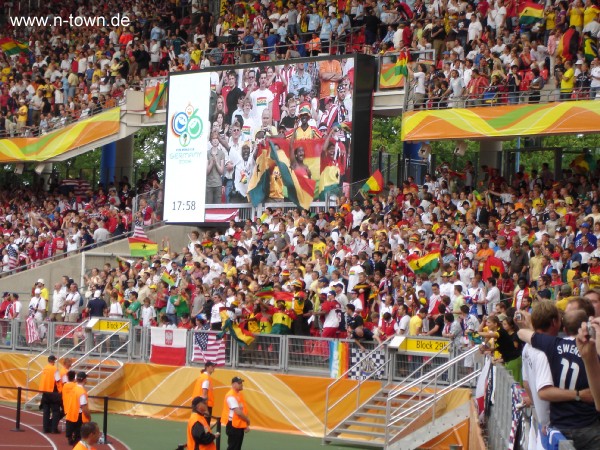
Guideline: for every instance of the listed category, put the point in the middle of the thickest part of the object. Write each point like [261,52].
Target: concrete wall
[52,272]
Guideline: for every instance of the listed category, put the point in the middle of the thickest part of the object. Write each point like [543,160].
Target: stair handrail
[99,344]
[48,349]
[426,403]
[106,358]
[422,383]
[421,367]
[434,397]
[328,407]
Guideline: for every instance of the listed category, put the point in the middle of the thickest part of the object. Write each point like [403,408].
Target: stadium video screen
[268,132]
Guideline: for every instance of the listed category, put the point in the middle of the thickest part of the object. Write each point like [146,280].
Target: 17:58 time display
[184,205]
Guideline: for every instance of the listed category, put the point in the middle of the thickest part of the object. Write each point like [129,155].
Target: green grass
[141,433]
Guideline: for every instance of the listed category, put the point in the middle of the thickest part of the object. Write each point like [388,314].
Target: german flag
[530,13]
[568,44]
[13,47]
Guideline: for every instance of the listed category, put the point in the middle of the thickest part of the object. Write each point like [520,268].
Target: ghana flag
[140,245]
[374,185]
[258,188]
[300,189]
[425,264]
[530,13]
[241,335]
[167,278]
[13,47]
[282,323]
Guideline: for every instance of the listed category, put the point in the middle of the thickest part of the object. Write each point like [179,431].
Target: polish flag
[168,346]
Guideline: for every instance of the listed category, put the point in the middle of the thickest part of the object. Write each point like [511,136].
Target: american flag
[31,330]
[13,256]
[138,232]
[207,347]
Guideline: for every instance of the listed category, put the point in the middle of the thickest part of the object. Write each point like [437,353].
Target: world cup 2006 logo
[187,126]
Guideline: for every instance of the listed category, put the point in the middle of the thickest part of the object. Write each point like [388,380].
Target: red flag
[493,267]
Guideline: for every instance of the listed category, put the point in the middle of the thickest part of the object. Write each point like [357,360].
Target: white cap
[98,293]
[41,280]
[38,291]
[579,61]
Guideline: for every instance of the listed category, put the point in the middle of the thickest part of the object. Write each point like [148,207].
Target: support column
[414,166]
[107,164]
[490,154]
[124,159]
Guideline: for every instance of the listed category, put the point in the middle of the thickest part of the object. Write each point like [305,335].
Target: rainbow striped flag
[338,358]
[13,47]
[530,13]
[206,243]
[392,75]
[167,278]
[154,97]
[425,264]
[375,183]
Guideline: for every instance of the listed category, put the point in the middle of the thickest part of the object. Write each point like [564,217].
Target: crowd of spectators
[42,222]
[480,49]
[345,272]
[356,255]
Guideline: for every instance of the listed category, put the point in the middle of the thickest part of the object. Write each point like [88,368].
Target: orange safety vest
[67,395]
[236,421]
[204,376]
[191,444]
[74,405]
[81,446]
[62,373]
[48,379]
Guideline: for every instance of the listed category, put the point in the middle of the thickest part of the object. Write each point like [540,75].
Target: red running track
[32,436]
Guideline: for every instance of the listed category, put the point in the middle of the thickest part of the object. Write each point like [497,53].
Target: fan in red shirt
[332,311]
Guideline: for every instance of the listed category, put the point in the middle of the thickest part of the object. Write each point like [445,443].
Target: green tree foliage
[386,137]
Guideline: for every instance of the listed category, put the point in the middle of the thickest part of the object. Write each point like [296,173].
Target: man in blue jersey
[577,420]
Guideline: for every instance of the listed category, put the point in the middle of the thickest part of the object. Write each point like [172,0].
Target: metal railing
[52,343]
[498,95]
[62,122]
[85,248]
[409,407]
[356,388]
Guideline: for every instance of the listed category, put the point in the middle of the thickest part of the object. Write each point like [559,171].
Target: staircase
[101,369]
[406,415]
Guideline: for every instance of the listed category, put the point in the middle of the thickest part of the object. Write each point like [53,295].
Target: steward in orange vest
[204,387]
[50,404]
[90,434]
[199,436]
[77,409]
[235,415]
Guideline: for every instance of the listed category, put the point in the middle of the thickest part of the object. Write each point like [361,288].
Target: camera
[591,330]
[518,316]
